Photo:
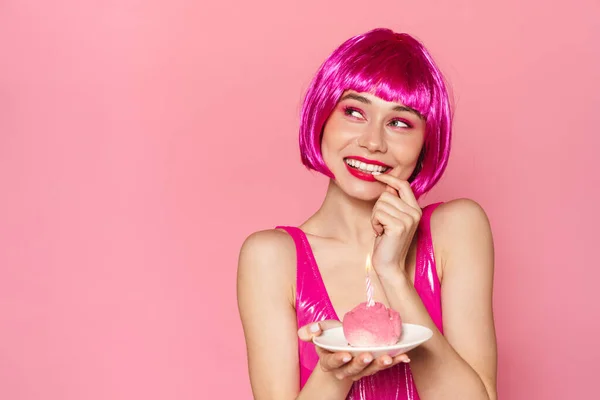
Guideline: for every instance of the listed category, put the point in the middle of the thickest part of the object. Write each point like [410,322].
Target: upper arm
[267,314]
[467,284]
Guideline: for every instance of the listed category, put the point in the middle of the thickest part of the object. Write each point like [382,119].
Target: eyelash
[349,110]
[408,125]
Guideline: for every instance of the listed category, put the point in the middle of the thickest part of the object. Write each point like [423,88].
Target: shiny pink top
[313,304]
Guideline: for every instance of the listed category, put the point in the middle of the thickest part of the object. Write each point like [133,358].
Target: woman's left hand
[395,219]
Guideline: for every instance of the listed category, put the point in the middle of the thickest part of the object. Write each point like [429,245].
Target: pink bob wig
[397,68]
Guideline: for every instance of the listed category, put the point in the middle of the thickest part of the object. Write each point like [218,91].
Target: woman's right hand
[341,364]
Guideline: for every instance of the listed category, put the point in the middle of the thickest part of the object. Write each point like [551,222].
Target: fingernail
[367,360]
[407,360]
[314,328]
[346,359]
[387,362]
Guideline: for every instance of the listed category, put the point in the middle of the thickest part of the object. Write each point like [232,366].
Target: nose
[373,140]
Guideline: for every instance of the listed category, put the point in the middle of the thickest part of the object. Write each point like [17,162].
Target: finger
[376,222]
[392,191]
[401,204]
[406,219]
[397,208]
[356,366]
[401,358]
[323,354]
[403,187]
[382,222]
[329,324]
[307,332]
[380,363]
[330,361]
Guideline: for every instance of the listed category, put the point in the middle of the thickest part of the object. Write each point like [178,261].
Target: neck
[343,217]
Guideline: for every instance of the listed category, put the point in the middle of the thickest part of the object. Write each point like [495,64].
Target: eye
[352,112]
[398,123]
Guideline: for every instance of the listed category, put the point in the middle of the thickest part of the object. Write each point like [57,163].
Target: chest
[343,274]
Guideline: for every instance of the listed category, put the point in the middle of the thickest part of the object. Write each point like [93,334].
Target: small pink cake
[376,325]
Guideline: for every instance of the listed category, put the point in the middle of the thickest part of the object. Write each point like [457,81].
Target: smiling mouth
[366,168]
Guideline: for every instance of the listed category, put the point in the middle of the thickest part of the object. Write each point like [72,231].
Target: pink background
[141,141]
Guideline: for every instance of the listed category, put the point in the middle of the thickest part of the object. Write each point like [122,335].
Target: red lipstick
[365,176]
[367,161]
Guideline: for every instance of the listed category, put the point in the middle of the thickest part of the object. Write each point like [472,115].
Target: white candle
[370,301]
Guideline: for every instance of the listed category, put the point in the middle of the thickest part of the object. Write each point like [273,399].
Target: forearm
[323,385]
[438,370]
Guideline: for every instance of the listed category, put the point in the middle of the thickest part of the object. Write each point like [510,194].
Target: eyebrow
[364,100]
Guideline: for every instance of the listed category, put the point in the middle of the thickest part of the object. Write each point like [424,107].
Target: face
[366,135]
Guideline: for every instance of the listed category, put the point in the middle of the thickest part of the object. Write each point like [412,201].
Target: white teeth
[374,169]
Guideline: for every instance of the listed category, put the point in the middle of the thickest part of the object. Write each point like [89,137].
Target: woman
[376,120]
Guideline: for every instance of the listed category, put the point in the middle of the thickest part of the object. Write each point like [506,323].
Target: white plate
[412,336]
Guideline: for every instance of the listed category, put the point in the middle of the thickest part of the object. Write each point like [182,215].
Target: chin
[365,191]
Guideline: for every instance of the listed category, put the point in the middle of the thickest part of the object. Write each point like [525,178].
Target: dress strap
[425,223]
[297,235]
[427,282]
[309,282]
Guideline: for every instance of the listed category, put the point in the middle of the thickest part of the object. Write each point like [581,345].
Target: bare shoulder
[461,211]
[465,235]
[267,244]
[268,256]
[459,216]
[459,224]
[266,273]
